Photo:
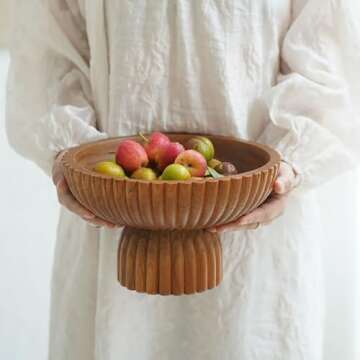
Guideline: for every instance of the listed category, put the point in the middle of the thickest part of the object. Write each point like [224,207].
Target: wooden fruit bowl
[164,248]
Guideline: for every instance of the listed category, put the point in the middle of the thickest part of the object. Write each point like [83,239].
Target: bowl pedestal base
[169,262]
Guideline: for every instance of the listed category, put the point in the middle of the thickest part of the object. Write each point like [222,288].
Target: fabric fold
[50,106]
[313,108]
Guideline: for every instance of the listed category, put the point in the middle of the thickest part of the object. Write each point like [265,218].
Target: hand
[67,199]
[271,209]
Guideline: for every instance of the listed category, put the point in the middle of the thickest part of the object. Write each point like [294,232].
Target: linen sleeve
[314,106]
[49,97]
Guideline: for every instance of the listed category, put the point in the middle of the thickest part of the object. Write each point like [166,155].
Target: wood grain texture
[176,205]
[169,262]
[164,249]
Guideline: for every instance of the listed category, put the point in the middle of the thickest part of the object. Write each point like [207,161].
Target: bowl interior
[246,156]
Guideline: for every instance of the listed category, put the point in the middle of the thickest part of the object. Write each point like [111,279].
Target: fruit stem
[144,137]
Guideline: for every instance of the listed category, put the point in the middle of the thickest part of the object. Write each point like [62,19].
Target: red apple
[157,141]
[167,154]
[131,155]
[193,161]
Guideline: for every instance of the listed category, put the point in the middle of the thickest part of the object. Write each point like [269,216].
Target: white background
[28,219]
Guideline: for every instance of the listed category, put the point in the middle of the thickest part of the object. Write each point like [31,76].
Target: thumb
[286,179]
[57,171]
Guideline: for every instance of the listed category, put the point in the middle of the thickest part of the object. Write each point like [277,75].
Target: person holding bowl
[283,73]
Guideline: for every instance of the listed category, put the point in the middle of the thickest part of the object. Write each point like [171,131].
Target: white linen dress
[282,72]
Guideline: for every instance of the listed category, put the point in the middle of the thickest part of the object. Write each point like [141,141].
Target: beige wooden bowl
[165,249]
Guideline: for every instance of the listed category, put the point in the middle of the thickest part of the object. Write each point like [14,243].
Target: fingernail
[212,230]
[94,225]
[280,185]
[89,216]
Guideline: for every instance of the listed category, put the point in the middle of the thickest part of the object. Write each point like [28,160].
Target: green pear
[175,172]
[203,145]
[144,174]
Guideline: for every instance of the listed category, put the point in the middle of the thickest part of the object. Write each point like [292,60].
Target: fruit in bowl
[213,163]
[151,158]
[165,248]
[156,143]
[226,168]
[131,155]
[157,196]
[168,154]
[110,168]
[193,161]
[202,145]
[175,172]
[144,174]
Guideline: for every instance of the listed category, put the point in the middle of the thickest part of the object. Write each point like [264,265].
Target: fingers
[97,222]
[57,171]
[286,179]
[67,200]
[264,214]
[271,209]
[232,227]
